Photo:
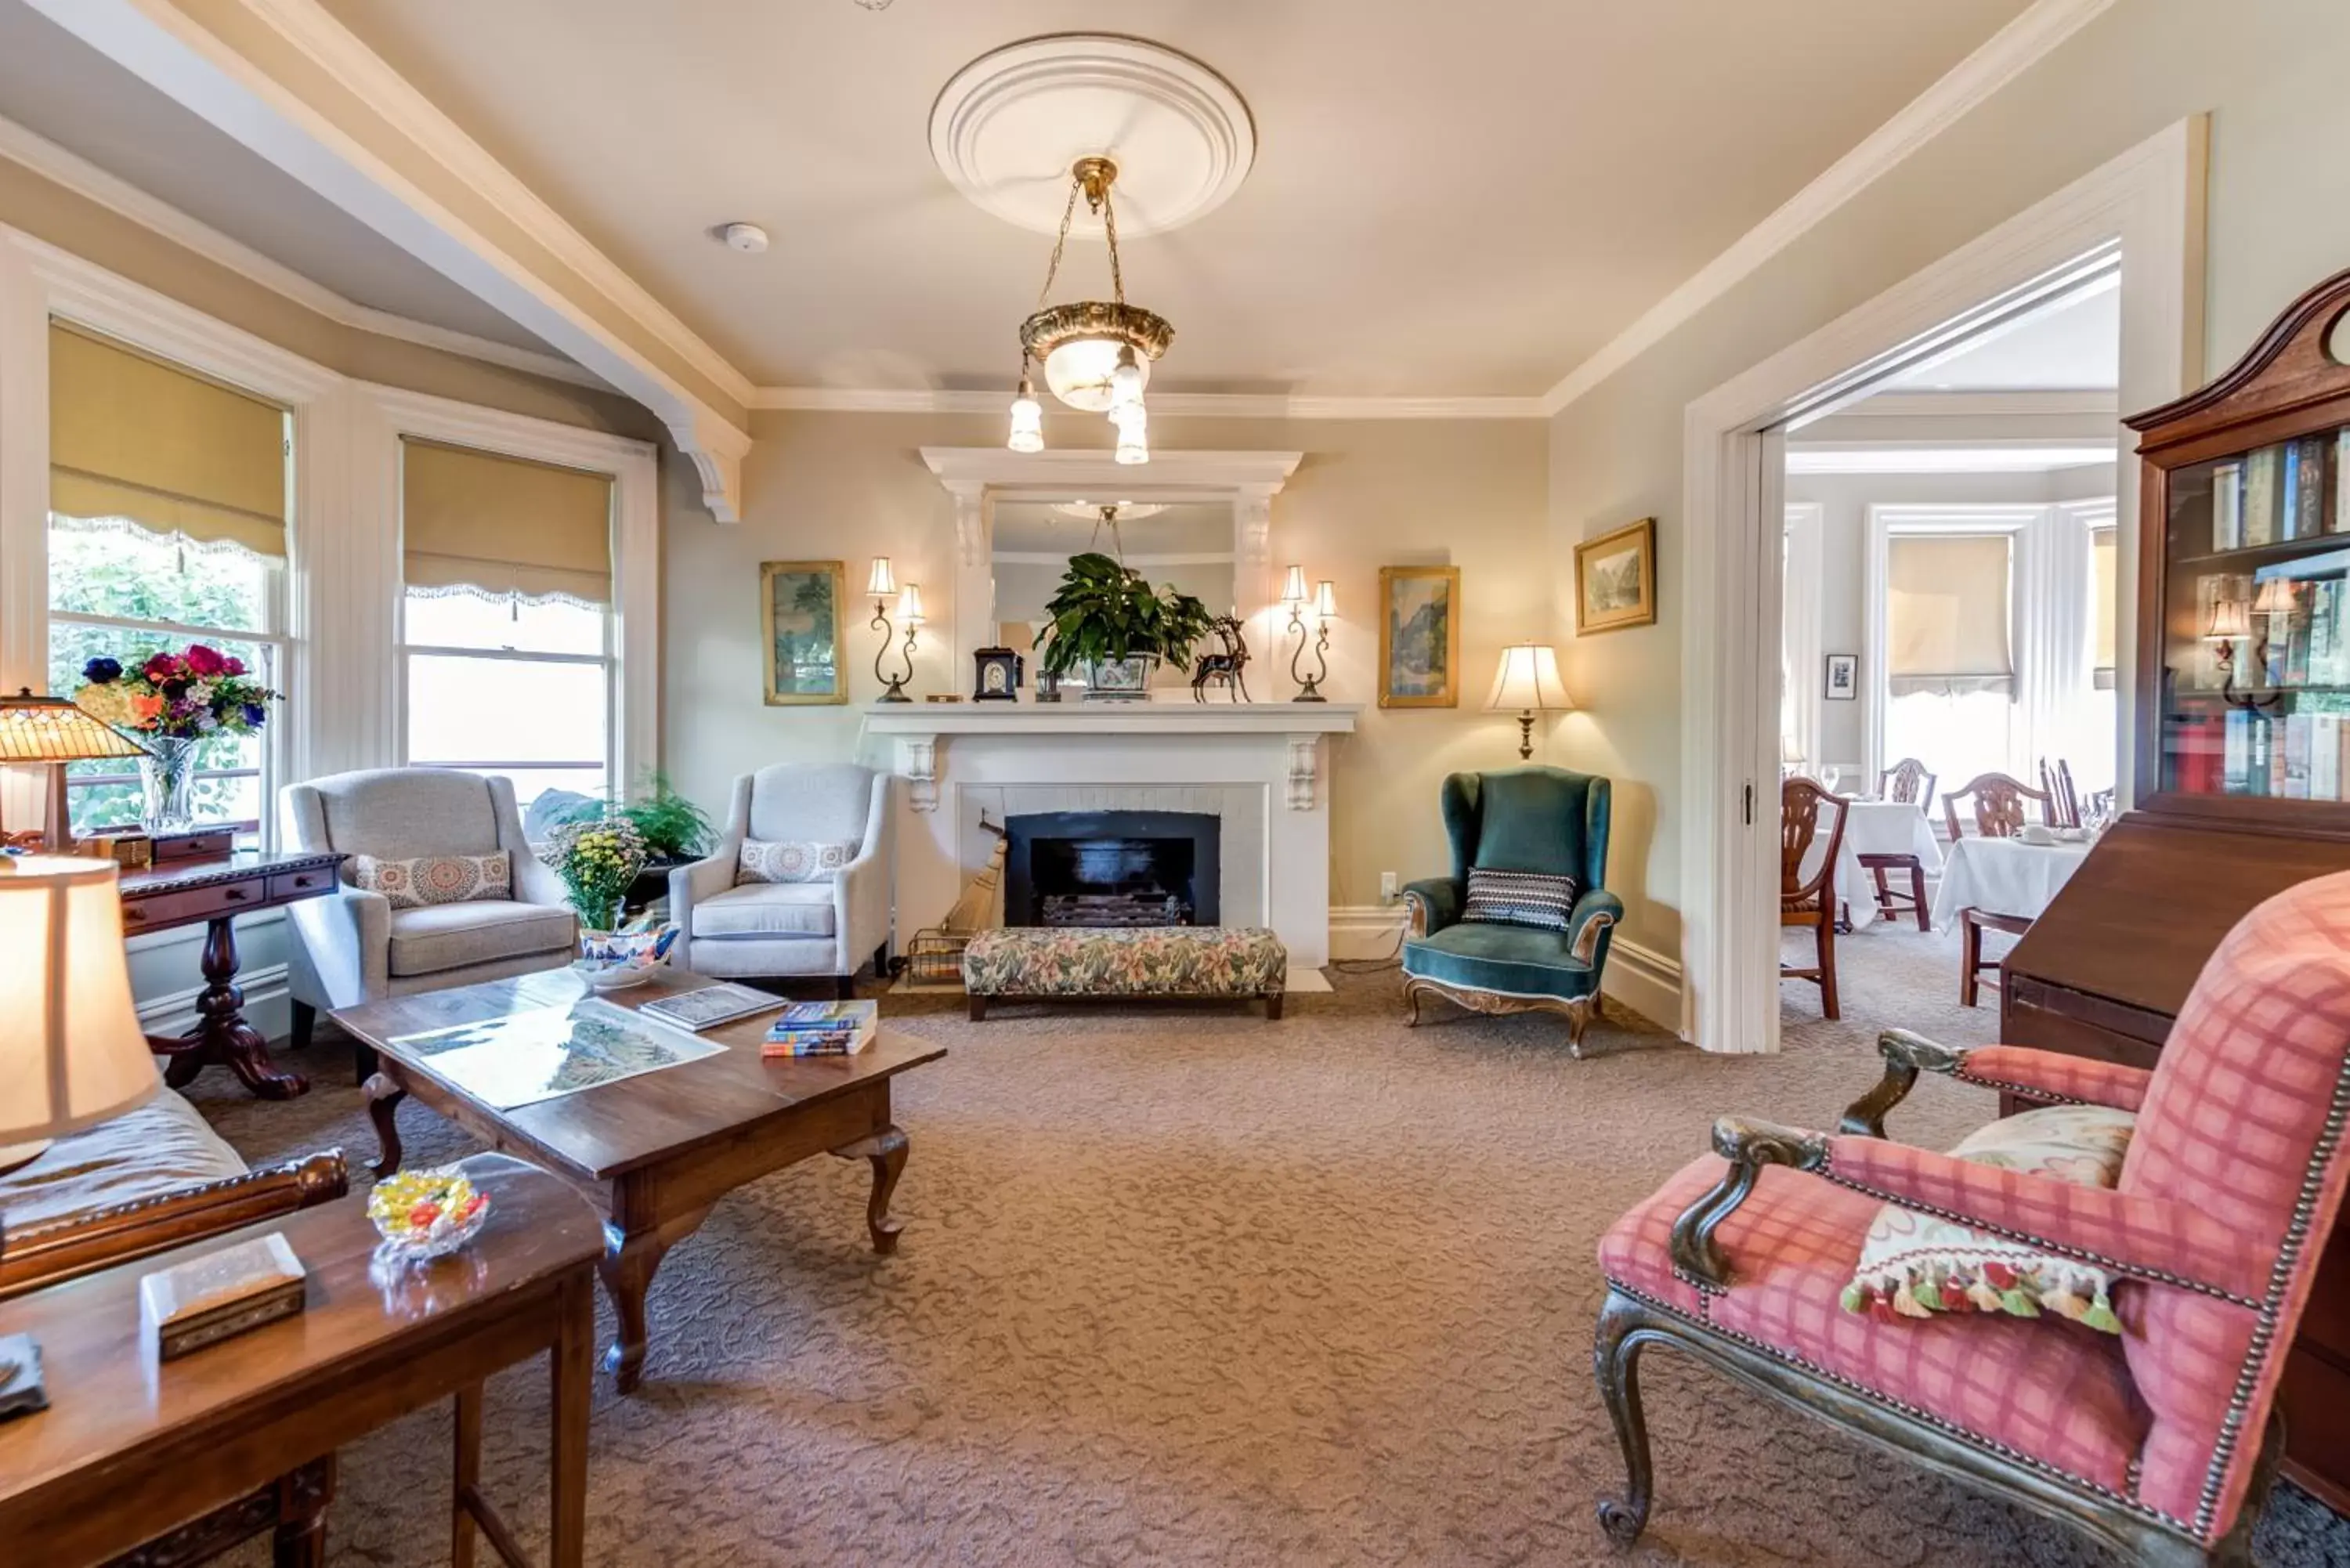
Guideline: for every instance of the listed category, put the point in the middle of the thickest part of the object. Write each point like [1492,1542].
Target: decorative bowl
[426,1214]
[615,961]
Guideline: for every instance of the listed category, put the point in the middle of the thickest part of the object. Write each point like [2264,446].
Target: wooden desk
[215,890]
[131,1450]
[657,1151]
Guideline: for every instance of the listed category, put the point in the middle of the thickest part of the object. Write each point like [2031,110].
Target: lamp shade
[2228,621]
[881,582]
[1325,600]
[1293,586]
[910,605]
[73,1055]
[53,730]
[2275,597]
[1528,682]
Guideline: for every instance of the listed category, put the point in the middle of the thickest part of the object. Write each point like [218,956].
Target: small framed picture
[1616,579]
[799,610]
[1843,677]
[1420,637]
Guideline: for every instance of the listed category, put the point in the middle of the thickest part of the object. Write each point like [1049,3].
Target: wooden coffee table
[656,1151]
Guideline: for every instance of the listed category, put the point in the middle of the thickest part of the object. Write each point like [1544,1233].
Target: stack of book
[821,1029]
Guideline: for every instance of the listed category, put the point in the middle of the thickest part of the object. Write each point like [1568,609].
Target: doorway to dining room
[1948,723]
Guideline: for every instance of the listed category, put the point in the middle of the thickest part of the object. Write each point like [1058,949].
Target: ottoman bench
[1095,962]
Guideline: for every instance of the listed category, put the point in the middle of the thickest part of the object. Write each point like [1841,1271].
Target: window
[2093,767]
[167,527]
[507,658]
[1950,672]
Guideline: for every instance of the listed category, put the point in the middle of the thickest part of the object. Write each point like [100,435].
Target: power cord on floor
[1393,959]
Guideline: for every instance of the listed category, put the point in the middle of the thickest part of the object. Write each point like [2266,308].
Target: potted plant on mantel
[1116,625]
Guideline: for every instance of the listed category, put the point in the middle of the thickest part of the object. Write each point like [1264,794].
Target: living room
[874,782]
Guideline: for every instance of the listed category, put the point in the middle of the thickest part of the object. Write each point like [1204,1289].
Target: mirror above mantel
[1186,545]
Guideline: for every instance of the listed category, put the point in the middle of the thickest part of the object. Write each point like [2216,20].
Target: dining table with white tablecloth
[1873,827]
[2003,877]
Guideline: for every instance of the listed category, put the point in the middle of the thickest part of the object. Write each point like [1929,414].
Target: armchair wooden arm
[1748,1146]
[50,1254]
[2047,1077]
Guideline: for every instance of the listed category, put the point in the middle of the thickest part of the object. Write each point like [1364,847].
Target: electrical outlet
[1386,888]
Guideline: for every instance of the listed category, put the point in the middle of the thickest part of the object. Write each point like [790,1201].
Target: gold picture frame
[1420,637]
[806,658]
[1616,579]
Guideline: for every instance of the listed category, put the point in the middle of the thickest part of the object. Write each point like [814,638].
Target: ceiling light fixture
[1096,354]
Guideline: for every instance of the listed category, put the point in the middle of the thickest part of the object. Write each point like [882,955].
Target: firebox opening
[1111,869]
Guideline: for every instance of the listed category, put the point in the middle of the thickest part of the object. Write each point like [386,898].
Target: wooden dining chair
[1999,804]
[1811,901]
[1905,783]
[2056,783]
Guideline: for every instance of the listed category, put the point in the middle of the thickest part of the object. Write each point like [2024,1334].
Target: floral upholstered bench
[1047,963]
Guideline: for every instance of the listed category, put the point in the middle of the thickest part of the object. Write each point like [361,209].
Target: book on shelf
[2325,756]
[709,1006]
[2293,776]
[2297,631]
[2196,743]
[2263,496]
[2309,511]
[823,1028]
[2340,522]
[2228,504]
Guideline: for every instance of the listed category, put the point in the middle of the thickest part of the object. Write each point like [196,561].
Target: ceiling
[60,88]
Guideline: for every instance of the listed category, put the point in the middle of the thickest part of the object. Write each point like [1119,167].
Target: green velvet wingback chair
[1543,820]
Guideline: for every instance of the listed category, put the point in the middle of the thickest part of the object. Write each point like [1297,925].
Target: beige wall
[1367,495]
[2269,74]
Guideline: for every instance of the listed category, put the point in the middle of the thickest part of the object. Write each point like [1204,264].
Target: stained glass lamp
[53,732]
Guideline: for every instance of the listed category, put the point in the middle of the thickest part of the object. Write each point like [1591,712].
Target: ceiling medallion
[1096,354]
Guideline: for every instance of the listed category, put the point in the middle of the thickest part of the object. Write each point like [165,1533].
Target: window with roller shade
[506,621]
[1950,667]
[169,499]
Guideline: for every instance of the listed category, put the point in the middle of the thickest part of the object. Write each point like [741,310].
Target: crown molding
[1163,405]
[2031,36]
[76,173]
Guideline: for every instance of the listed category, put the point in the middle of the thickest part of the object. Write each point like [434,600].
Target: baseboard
[266,1005]
[1365,931]
[1644,980]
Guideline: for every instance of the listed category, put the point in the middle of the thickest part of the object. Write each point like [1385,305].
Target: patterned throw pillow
[1519,899]
[1916,1265]
[791,860]
[436,878]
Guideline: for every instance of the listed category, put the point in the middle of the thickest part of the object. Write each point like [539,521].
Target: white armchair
[355,946]
[781,928]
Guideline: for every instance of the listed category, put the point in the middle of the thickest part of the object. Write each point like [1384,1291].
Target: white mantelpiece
[1260,766]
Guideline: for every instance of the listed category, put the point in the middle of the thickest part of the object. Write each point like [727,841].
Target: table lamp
[73,1055]
[1528,683]
[54,732]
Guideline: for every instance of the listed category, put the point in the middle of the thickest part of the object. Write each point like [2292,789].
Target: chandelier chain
[1108,210]
[1052,267]
[1109,222]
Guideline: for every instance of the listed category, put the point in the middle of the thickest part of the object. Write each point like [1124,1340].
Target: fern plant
[1105,612]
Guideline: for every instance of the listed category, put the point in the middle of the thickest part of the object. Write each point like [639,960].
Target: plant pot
[167,782]
[1120,679]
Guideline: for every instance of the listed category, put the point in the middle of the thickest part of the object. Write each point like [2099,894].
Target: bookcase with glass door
[2243,694]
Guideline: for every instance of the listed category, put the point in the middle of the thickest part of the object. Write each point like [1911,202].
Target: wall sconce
[882,583]
[1326,609]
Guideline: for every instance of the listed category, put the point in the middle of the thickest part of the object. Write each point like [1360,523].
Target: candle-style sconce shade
[883,582]
[2229,621]
[1293,586]
[1325,600]
[910,605]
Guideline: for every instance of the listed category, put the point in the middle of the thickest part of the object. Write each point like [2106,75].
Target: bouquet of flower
[597,858]
[192,695]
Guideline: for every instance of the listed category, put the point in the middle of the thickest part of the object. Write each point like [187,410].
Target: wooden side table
[215,889]
[131,1450]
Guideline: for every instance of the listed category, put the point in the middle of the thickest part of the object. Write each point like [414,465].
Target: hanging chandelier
[1096,354]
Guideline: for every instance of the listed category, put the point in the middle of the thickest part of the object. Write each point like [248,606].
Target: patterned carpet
[1185,1287]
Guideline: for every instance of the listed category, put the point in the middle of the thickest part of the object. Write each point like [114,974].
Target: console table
[215,889]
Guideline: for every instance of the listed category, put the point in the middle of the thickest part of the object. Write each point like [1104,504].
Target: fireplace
[1111,869]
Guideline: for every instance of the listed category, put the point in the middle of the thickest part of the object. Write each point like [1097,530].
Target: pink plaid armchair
[2160,1441]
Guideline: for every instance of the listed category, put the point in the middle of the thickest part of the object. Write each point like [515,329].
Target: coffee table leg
[887,1150]
[467,1479]
[630,1261]
[383,1097]
[572,1369]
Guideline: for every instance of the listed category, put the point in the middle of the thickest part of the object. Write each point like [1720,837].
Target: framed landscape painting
[799,611]
[1420,637]
[1616,579]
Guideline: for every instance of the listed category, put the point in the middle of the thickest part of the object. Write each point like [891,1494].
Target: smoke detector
[748,238]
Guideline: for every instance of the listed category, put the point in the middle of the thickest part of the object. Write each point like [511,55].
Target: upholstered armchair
[2159,1440]
[355,946]
[743,929]
[1545,821]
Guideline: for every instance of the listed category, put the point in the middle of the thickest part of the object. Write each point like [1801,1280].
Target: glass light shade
[1080,372]
[1528,682]
[1325,601]
[2228,621]
[1126,381]
[2275,597]
[1293,586]
[73,1055]
[1027,420]
[1131,446]
[53,730]
[882,582]
[910,605]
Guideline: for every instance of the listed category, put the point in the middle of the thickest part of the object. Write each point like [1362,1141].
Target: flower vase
[167,780]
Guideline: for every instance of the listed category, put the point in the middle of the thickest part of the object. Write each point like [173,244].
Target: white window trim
[633,719]
[1804,607]
[1885,521]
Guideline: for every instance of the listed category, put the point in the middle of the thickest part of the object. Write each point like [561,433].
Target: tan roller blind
[132,437]
[2103,563]
[1946,613]
[504,525]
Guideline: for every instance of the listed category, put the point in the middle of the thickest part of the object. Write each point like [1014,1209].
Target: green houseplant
[674,829]
[1105,612]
